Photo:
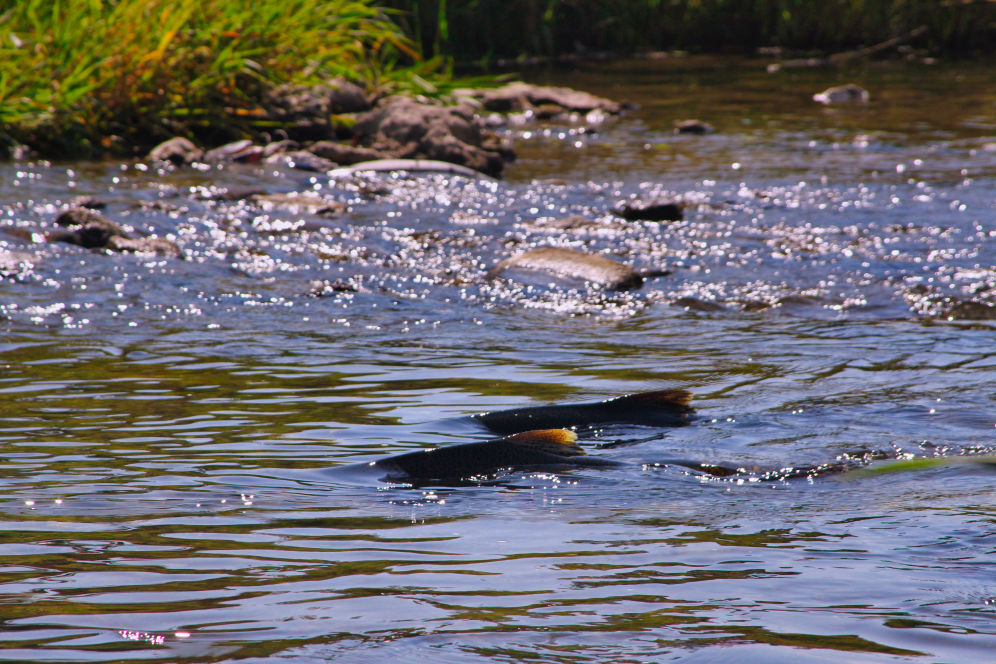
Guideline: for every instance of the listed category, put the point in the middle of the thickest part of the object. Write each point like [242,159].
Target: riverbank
[114,79]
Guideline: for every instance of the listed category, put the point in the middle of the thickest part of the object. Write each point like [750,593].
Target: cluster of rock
[318,128]
[544,102]
[323,127]
[92,230]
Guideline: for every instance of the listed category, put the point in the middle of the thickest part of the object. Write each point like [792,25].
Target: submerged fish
[660,408]
[534,438]
[548,448]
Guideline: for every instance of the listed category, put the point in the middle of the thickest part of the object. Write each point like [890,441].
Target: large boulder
[305,111]
[407,128]
[518,96]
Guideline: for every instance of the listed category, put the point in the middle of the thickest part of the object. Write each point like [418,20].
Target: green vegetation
[87,77]
[79,76]
[482,30]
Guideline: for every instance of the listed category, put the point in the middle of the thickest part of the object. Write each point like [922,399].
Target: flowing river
[171,429]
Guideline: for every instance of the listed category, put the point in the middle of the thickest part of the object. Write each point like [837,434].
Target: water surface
[170,428]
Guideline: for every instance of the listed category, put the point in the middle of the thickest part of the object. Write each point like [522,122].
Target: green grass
[85,76]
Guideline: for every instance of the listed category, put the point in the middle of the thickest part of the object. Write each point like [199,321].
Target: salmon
[660,408]
[547,448]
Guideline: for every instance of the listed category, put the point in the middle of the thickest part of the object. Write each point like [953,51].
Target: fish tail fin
[561,442]
[675,400]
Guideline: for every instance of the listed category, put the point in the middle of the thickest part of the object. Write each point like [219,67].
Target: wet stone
[406,128]
[12,262]
[298,203]
[178,150]
[322,287]
[279,147]
[518,96]
[237,151]
[755,306]
[971,310]
[92,230]
[344,154]
[694,127]
[304,112]
[301,160]
[89,202]
[318,101]
[574,223]
[656,210]
[145,245]
[842,94]
[570,264]
[87,228]
[696,304]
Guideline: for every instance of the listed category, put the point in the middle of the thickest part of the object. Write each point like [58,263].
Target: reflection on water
[168,427]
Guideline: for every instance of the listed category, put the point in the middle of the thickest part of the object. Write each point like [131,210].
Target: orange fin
[561,442]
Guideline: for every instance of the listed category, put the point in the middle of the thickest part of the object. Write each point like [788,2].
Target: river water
[171,428]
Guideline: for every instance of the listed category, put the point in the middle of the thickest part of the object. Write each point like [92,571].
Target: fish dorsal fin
[561,442]
[670,399]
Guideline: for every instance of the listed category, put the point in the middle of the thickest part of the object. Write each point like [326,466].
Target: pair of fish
[538,437]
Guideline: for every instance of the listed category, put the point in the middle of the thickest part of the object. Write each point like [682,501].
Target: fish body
[660,408]
[531,449]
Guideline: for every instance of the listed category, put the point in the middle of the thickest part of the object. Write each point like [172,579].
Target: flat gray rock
[570,264]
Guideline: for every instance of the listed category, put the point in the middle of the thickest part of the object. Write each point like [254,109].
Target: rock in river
[570,264]
[86,228]
[177,150]
[655,210]
[243,151]
[92,230]
[519,96]
[697,127]
[145,245]
[12,262]
[301,160]
[842,94]
[406,128]
[304,112]
[343,154]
